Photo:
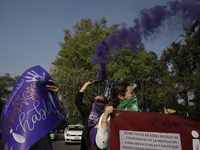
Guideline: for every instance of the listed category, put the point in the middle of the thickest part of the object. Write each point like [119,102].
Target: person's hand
[86,85]
[108,110]
[89,82]
[53,87]
[169,111]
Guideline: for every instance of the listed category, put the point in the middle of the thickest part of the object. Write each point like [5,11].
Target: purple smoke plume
[101,50]
[126,37]
[185,12]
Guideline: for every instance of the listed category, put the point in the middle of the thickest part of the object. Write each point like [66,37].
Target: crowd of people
[96,134]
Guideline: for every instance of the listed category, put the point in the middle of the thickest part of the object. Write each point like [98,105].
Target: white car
[73,133]
[53,134]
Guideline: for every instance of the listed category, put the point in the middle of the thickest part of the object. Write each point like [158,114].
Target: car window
[52,131]
[75,128]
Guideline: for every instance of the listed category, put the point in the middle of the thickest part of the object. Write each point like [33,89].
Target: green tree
[126,67]
[73,65]
[181,78]
[6,84]
[158,82]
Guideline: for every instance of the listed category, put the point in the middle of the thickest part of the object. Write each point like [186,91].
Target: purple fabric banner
[30,111]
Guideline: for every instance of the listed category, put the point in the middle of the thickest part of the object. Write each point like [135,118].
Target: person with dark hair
[122,98]
[91,116]
[120,92]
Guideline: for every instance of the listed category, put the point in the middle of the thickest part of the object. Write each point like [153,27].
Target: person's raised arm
[103,131]
[83,109]
[108,111]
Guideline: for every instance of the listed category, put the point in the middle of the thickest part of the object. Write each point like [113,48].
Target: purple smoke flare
[126,36]
[101,51]
[185,12]
[150,20]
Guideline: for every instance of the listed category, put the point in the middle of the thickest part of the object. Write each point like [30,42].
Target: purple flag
[30,111]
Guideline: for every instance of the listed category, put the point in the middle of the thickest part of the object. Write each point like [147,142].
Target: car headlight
[68,135]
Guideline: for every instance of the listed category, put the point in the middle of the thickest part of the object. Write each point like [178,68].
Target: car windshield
[75,128]
[52,131]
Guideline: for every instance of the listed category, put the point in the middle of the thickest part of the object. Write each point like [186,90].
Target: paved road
[58,144]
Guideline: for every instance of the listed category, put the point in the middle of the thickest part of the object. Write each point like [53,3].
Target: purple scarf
[97,109]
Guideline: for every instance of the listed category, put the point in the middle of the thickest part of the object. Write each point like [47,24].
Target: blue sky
[30,30]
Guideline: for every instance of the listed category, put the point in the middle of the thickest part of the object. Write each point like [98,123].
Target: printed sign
[145,140]
[30,111]
[153,131]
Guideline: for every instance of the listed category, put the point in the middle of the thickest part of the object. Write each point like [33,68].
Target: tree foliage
[166,82]
[73,65]
[178,80]
[6,84]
